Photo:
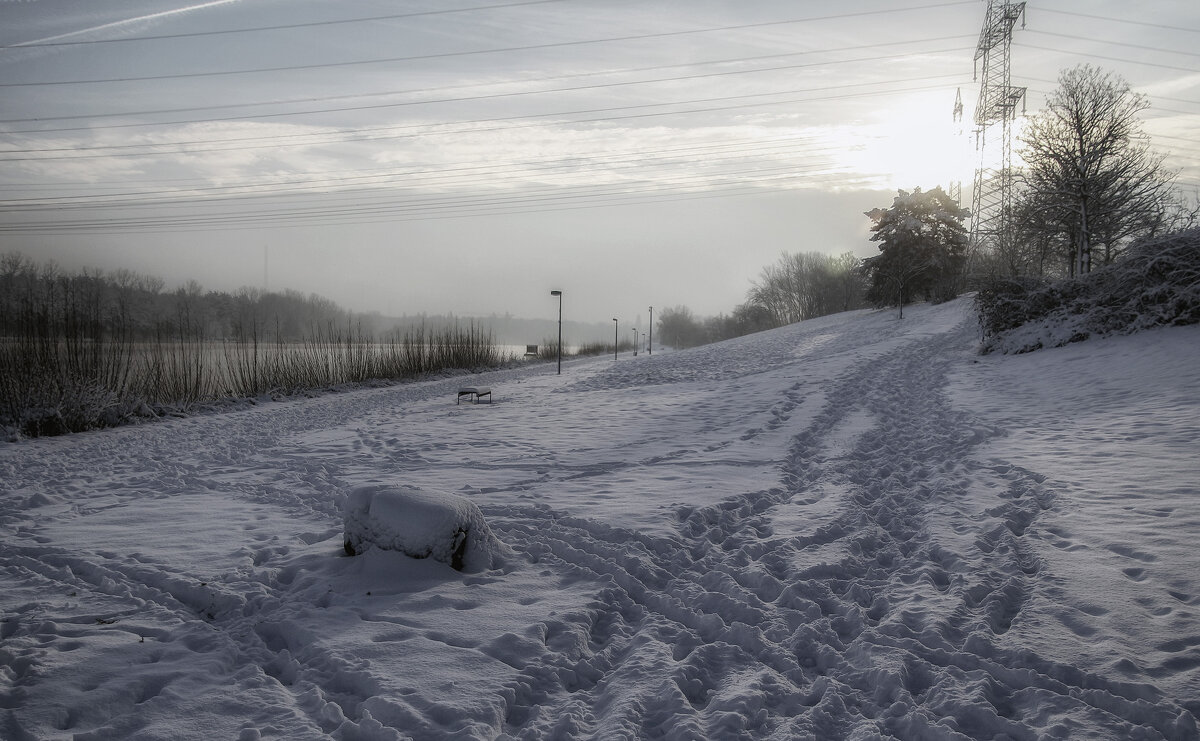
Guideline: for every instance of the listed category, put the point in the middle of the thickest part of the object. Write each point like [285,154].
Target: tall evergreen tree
[922,245]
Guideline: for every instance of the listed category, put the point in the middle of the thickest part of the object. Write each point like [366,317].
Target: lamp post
[559,294]
[635,342]
[650,345]
[615,324]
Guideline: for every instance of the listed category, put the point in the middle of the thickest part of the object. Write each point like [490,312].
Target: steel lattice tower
[991,201]
[955,183]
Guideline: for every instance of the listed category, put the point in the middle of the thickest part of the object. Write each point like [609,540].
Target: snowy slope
[853,527]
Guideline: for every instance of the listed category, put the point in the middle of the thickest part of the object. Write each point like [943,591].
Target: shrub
[1156,283]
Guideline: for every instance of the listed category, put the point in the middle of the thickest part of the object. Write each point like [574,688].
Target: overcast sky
[469,156]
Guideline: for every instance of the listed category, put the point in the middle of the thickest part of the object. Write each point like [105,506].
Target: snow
[853,527]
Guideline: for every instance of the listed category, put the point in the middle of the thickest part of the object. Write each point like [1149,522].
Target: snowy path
[846,528]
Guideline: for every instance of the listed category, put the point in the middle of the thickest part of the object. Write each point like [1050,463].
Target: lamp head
[556,293]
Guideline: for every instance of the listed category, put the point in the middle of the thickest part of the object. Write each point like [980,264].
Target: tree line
[797,286]
[42,299]
[1088,189]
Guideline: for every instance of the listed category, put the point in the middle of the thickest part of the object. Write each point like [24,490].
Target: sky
[470,156]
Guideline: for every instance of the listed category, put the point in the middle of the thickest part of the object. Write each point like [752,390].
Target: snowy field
[853,527]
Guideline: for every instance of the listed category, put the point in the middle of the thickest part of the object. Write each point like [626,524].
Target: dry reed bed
[54,382]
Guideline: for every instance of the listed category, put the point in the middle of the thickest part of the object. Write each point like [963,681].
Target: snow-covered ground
[853,527]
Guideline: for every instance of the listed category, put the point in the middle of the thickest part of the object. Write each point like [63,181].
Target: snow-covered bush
[421,524]
[37,400]
[1156,283]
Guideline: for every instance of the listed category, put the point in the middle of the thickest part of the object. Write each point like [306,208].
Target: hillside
[852,527]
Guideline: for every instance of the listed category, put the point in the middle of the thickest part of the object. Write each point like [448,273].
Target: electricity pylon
[991,202]
[955,183]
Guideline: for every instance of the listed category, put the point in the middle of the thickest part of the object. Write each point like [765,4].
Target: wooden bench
[474,392]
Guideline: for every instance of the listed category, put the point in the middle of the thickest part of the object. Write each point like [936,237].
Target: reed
[53,385]
[96,349]
[603,348]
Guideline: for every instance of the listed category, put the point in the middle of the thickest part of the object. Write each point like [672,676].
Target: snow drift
[420,524]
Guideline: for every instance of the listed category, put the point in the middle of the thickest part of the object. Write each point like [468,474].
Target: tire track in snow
[887,617]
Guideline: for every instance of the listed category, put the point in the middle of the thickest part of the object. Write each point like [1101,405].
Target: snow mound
[420,524]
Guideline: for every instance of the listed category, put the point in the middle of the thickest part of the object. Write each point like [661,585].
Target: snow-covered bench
[475,392]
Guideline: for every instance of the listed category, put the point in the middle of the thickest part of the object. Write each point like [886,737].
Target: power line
[476,97]
[740,146]
[441,176]
[375,198]
[1111,59]
[391,218]
[706,155]
[421,208]
[354,202]
[1152,98]
[470,176]
[1113,43]
[1118,20]
[475,52]
[707,178]
[427,206]
[253,29]
[429,129]
[391,213]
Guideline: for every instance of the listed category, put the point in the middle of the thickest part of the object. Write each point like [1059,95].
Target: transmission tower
[991,203]
[955,183]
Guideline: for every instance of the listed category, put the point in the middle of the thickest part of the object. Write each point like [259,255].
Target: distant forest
[798,286]
[42,299]
[45,300]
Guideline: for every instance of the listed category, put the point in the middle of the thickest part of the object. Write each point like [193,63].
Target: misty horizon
[471,159]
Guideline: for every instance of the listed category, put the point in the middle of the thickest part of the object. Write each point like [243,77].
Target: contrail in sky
[127,21]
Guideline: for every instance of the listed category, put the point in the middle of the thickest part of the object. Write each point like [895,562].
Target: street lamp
[650,346]
[635,342]
[559,294]
[615,338]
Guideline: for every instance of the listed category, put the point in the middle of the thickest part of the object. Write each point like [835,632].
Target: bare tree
[1039,249]
[678,328]
[805,285]
[1089,173]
